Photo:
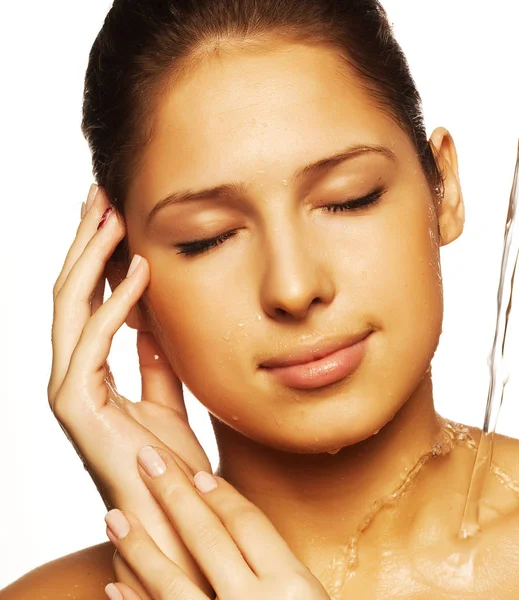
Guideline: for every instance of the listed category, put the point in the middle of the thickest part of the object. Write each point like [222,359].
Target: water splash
[498,371]
[344,565]
[346,561]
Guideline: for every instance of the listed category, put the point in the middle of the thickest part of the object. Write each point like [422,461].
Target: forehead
[276,109]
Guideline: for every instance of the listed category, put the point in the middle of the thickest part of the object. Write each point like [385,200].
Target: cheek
[405,286]
[205,323]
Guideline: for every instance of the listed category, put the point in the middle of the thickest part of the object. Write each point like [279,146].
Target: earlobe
[136,320]
[451,209]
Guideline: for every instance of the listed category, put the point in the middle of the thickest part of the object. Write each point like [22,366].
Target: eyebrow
[237,188]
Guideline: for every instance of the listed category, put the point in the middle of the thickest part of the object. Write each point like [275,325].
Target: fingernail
[105,216]
[151,461]
[133,265]
[83,209]
[118,523]
[112,592]
[92,192]
[205,482]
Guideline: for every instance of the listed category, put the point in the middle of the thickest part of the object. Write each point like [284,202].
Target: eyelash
[201,246]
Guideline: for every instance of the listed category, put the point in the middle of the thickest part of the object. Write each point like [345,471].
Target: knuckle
[242,518]
[175,588]
[172,492]
[209,538]
[56,288]
[57,406]
[134,546]
[61,408]
[299,587]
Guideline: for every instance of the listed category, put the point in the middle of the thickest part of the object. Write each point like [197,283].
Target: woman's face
[293,270]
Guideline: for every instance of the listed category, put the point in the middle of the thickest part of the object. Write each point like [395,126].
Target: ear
[451,209]
[115,272]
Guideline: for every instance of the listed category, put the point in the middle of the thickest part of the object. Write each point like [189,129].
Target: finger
[259,541]
[97,297]
[125,576]
[90,355]
[72,307]
[200,529]
[161,577]
[86,229]
[160,383]
[126,592]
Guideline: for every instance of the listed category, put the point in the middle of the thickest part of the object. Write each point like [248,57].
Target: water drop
[235,418]
[284,182]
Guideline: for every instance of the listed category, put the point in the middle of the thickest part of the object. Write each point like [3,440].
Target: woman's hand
[235,544]
[105,428]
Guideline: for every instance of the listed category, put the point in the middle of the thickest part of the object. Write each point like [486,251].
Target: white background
[463,55]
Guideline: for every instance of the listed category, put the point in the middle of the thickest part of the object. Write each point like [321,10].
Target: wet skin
[295,272]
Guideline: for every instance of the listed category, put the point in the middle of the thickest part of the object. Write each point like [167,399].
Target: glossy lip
[310,353]
[331,368]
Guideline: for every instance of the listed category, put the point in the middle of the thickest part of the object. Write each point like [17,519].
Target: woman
[315,241]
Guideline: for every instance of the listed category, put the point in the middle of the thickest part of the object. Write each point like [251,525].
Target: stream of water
[498,367]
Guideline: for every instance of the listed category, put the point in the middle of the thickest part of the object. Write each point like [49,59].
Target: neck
[324,496]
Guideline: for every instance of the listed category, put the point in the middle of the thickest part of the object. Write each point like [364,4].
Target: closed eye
[357,203]
[200,246]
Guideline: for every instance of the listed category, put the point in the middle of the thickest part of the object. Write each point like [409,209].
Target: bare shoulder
[505,452]
[502,484]
[506,459]
[82,575]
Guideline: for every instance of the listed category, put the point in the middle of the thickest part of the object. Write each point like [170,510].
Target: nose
[296,276]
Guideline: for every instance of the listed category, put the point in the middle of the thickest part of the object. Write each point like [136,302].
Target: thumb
[160,383]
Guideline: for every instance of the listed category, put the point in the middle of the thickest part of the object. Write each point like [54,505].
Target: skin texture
[296,273]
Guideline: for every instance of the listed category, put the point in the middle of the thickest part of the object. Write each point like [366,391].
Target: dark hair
[146,46]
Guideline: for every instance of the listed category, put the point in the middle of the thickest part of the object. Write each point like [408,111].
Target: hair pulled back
[146,46]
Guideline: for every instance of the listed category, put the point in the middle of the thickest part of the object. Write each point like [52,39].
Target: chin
[312,433]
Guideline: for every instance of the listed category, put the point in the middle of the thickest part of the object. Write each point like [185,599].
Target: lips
[302,355]
[329,363]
